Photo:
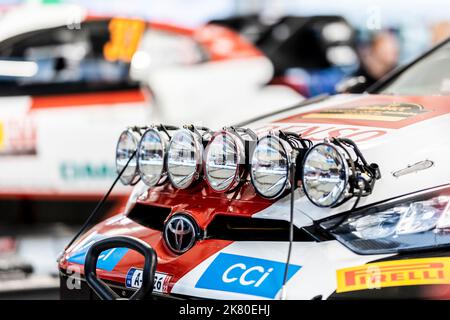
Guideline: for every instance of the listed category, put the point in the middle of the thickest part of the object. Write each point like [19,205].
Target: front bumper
[317,270]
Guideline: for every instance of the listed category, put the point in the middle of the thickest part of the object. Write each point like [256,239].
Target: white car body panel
[36,16]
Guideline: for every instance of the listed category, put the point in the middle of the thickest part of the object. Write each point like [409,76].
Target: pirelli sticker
[394,273]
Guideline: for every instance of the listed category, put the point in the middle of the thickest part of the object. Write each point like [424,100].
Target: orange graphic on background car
[125,37]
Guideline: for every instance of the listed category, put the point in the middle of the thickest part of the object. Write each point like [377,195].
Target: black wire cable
[295,140]
[346,215]
[355,148]
[100,203]
[291,229]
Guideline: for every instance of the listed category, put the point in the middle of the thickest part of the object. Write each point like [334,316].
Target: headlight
[184,158]
[270,166]
[151,152]
[224,161]
[325,175]
[417,222]
[126,146]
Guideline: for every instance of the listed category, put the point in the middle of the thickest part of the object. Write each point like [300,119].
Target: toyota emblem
[180,234]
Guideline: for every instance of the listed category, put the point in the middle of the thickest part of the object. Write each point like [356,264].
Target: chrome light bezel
[240,171]
[135,135]
[164,141]
[287,149]
[343,157]
[198,151]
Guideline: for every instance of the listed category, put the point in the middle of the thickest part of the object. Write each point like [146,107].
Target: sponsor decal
[377,112]
[86,171]
[318,132]
[107,260]
[125,37]
[394,273]
[18,137]
[246,275]
[134,280]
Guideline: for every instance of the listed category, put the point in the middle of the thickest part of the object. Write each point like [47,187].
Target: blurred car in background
[71,81]
[310,54]
[209,75]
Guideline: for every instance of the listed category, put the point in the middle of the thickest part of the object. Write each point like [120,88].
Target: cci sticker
[107,260]
[246,275]
[394,273]
[160,284]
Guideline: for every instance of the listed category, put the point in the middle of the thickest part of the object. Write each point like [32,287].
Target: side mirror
[100,287]
[352,85]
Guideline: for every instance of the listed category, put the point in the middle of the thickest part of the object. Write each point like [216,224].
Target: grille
[225,226]
[238,228]
[152,216]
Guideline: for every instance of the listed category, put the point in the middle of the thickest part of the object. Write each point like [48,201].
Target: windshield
[58,60]
[429,76]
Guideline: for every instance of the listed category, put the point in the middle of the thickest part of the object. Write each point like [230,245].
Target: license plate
[160,284]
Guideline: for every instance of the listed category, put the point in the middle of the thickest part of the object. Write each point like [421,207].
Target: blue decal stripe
[107,260]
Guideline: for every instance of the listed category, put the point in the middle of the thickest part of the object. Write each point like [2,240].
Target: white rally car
[348,197]
[69,83]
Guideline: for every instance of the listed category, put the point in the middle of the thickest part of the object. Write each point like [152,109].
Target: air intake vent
[236,228]
[150,216]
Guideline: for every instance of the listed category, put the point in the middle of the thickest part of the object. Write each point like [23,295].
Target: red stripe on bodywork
[224,44]
[87,99]
[59,195]
[171,28]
